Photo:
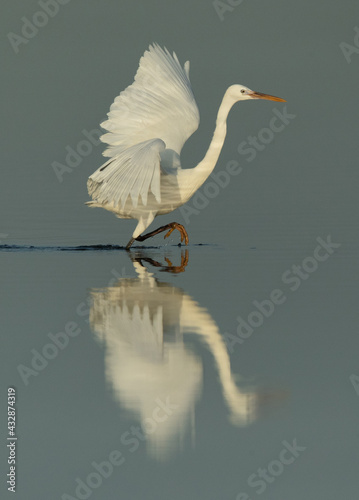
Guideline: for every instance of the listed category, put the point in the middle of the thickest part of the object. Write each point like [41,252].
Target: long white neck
[202,171]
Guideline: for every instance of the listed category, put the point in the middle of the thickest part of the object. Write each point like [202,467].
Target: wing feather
[133,172]
[158,104]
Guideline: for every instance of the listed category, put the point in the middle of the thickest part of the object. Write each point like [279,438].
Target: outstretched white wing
[133,172]
[159,104]
[157,111]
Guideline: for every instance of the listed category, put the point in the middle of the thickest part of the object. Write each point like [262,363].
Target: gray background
[303,185]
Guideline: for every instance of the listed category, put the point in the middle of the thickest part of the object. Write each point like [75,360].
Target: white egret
[147,126]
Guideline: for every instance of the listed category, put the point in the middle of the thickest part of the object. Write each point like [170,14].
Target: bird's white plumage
[147,125]
[157,112]
[159,104]
[133,172]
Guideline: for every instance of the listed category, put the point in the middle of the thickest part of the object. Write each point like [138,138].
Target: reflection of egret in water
[141,322]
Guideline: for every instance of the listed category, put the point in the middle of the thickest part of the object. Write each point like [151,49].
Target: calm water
[209,372]
[227,371]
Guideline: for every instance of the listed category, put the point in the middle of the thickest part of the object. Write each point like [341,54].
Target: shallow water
[158,368]
[220,371]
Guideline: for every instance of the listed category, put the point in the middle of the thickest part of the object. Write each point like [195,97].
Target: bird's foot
[172,226]
[181,229]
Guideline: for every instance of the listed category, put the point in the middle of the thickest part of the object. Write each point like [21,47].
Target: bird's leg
[132,240]
[172,226]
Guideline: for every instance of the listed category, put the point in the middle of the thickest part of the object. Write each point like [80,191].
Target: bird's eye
[243,91]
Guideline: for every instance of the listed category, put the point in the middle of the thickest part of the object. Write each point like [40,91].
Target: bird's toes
[169,233]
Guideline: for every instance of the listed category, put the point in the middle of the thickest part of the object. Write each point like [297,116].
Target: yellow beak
[259,95]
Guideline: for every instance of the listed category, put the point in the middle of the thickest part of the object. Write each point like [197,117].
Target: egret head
[241,93]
